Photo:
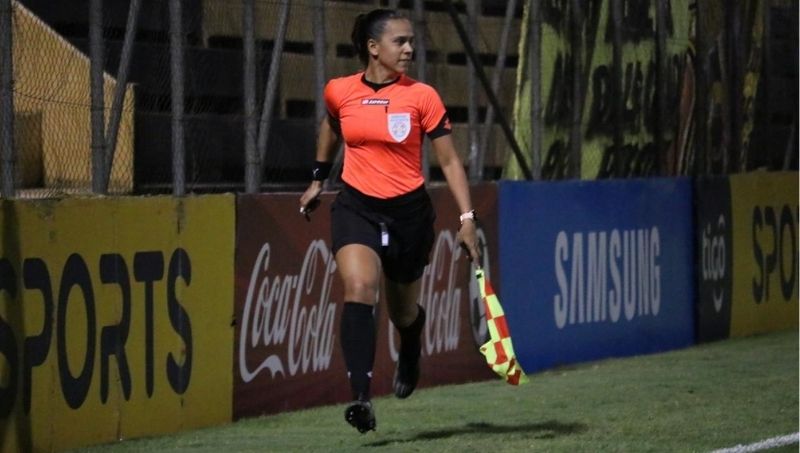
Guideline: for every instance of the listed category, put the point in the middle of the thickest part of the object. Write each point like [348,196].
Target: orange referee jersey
[383,131]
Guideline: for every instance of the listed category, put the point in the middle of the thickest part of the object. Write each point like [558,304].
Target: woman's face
[395,47]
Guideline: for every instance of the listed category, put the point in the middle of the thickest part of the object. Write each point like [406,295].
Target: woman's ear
[372,48]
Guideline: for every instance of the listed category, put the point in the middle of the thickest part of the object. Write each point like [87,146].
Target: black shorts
[399,229]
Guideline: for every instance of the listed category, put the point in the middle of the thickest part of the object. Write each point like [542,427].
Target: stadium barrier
[713,242]
[747,250]
[748,253]
[144,316]
[123,313]
[288,305]
[764,214]
[596,269]
[115,319]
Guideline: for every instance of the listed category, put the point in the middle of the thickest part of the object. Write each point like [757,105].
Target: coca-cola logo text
[285,334]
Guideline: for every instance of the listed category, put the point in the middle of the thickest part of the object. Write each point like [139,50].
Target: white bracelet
[469,215]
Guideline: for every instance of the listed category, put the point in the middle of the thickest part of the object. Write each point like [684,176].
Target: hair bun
[369,26]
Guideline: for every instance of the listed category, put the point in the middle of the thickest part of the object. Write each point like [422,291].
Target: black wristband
[321,170]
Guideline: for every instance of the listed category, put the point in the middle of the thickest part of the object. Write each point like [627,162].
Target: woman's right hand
[310,199]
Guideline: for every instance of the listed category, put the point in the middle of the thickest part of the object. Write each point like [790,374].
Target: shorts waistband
[401,200]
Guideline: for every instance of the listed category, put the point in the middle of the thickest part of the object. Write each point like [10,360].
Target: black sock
[411,338]
[357,332]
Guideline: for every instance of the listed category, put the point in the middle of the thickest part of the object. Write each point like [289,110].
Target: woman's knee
[402,302]
[360,269]
[359,289]
[403,315]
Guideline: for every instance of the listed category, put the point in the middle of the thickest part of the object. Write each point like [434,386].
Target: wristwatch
[469,215]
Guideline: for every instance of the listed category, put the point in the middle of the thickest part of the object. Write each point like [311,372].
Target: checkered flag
[498,350]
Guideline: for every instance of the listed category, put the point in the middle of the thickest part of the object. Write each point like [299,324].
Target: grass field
[703,398]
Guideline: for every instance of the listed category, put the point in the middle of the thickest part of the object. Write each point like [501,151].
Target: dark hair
[370,26]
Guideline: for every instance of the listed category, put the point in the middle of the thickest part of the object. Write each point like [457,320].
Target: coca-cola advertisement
[288,301]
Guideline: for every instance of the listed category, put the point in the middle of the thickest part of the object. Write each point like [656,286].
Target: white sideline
[772,442]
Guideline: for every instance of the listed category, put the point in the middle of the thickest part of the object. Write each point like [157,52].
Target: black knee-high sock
[410,336]
[358,344]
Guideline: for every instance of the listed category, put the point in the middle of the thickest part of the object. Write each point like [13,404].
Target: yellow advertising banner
[764,207]
[115,318]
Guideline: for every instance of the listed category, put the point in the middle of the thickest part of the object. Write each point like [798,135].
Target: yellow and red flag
[498,350]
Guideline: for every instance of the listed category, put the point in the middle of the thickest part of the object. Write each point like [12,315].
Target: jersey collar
[377,86]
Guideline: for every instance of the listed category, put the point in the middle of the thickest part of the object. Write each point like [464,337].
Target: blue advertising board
[596,269]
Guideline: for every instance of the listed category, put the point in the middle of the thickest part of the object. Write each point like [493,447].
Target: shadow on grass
[544,430]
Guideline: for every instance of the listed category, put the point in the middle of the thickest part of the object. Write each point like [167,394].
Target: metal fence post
[320,44]
[496,79]
[473,9]
[177,70]
[701,163]
[662,160]
[96,89]
[252,174]
[271,89]
[119,92]
[535,68]
[476,64]
[7,101]
[616,89]
[421,57]
[733,63]
[574,165]
[320,110]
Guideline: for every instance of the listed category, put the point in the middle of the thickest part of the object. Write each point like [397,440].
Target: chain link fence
[51,114]
[52,95]
[649,88]
[618,89]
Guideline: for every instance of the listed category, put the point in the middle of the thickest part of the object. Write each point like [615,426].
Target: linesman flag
[498,350]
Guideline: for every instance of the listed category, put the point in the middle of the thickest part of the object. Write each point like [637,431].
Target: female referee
[382,220]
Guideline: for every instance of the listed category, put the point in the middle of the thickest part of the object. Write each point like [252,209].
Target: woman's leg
[401,299]
[360,270]
[409,319]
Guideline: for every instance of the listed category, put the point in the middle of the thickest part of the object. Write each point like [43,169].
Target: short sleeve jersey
[383,127]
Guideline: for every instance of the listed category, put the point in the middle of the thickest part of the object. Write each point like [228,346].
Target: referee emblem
[399,125]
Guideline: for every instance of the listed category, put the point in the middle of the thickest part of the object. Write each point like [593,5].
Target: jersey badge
[399,125]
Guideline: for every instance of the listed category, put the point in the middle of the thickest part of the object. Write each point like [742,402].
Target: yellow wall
[765,252]
[53,109]
[78,249]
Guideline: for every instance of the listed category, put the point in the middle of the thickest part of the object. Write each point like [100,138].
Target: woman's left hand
[468,238]
[310,199]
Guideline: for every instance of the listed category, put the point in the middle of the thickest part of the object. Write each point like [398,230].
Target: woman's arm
[327,143]
[457,181]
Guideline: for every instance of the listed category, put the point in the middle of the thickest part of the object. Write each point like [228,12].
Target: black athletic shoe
[406,376]
[361,416]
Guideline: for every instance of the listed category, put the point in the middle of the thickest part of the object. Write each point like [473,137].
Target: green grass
[699,399]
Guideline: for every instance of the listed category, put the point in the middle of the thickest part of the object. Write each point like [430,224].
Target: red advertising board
[288,300]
